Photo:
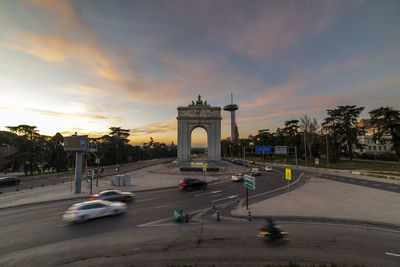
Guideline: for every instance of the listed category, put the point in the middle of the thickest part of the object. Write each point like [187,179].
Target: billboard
[263,150]
[280,149]
[76,143]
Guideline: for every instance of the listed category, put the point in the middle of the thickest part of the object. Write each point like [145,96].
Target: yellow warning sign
[288,174]
[204,167]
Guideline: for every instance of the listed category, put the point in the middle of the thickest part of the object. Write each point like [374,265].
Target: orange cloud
[61,114]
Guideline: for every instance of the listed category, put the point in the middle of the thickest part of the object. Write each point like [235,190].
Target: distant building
[365,138]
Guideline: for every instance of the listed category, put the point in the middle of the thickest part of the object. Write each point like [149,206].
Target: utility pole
[327,150]
[305,147]
[295,151]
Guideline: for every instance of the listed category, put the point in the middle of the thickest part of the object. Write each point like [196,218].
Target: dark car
[191,183]
[113,195]
[7,181]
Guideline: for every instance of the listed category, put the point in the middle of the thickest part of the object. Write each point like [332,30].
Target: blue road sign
[263,150]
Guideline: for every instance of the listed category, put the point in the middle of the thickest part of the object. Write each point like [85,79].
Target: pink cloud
[275,27]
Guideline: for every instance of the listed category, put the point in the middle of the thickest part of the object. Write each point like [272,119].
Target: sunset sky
[84,66]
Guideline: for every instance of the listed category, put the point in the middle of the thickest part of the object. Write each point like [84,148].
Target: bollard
[238,199]
[218,216]
[1,192]
[63,180]
[213,205]
[187,218]
[42,184]
[17,188]
[54,182]
[31,186]
[249,215]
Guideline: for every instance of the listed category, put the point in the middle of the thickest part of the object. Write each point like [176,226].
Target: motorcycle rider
[272,229]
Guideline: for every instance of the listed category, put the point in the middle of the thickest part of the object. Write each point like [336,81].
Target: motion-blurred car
[84,211]
[268,168]
[238,177]
[255,172]
[192,183]
[252,162]
[8,181]
[113,195]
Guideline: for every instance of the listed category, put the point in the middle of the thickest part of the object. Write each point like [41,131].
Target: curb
[306,219]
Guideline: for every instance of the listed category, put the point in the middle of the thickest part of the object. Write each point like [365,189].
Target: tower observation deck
[232,108]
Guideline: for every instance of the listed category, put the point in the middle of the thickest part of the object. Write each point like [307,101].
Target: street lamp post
[327,150]
[305,147]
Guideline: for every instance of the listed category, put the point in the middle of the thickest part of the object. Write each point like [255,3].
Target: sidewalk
[142,179]
[330,199]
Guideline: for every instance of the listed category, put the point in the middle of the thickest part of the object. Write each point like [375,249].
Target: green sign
[178,215]
[250,182]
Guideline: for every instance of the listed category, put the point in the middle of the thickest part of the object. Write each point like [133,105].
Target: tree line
[24,149]
[336,136]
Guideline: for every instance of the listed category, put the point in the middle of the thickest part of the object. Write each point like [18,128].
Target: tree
[56,155]
[30,147]
[309,127]
[387,122]
[342,125]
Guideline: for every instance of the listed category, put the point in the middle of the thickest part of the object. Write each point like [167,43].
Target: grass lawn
[355,164]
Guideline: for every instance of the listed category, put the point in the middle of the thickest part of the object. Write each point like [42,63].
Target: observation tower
[234,129]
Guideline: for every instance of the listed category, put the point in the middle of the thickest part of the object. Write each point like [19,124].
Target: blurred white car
[268,168]
[84,211]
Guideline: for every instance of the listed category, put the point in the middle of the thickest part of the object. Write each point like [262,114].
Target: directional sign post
[204,170]
[90,175]
[249,183]
[288,177]
[178,215]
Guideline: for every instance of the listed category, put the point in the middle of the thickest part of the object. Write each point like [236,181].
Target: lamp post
[327,150]
[305,147]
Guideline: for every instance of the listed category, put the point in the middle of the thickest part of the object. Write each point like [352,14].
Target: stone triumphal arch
[199,114]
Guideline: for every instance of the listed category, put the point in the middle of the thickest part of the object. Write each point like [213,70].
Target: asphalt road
[51,179]
[36,235]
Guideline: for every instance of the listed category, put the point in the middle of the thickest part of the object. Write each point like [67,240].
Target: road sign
[250,182]
[90,174]
[178,215]
[263,150]
[288,174]
[76,143]
[280,150]
[204,167]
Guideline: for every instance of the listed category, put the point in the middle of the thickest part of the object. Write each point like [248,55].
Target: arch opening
[198,145]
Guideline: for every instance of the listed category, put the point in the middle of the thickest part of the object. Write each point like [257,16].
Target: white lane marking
[392,187]
[392,254]
[283,187]
[364,182]
[224,198]
[163,206]
[155,222]
[218,195]
[377,184]
[143,200]
[167,224]
[62,225]
[209,193]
